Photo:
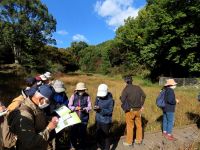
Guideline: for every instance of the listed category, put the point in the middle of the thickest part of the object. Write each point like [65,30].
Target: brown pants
[133,118]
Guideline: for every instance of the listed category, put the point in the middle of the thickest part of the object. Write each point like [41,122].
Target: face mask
[44,105]
[80,93]
[173,87]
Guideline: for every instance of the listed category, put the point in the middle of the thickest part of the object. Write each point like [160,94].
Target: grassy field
[187,111]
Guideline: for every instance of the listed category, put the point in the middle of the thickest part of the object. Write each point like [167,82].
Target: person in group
[30,124]
[45,80]
[169,109]
[81,103]
[134,96]
[38,80]
[49,76]
[60,99]
[2,108]
[30,82]
[104,107]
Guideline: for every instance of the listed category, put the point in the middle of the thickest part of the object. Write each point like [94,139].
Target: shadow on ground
[118,130]
[194,117]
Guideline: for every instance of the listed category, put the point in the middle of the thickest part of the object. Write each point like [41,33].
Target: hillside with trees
[164,39]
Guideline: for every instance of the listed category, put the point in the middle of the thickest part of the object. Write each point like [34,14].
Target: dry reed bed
[152,115]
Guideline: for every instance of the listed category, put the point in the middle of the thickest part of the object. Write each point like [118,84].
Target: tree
[26,26]
[164,37]
[76,47]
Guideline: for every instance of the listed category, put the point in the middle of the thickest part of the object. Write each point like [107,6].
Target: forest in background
[163,40]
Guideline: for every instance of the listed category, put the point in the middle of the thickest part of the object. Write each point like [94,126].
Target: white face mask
[80,93]
[173,87]
[44,105]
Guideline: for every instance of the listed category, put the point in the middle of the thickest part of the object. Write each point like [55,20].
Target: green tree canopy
[26,26]
[164,37]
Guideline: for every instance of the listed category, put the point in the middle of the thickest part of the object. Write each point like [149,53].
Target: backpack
[6,130]
[160,100]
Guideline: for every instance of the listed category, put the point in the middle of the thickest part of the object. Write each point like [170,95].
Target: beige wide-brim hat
[80,86]
[170,82]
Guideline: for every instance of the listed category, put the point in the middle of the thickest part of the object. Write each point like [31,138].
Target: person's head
[30,81]
[42,96]
[170,83]
[102,90]
[47,75]
[58,86]
[38,80]
[80,88]
[45,80]
[128,79]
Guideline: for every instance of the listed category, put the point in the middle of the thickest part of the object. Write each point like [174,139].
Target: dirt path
[185,138]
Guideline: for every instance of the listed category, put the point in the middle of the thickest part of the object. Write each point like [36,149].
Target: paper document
[66,118]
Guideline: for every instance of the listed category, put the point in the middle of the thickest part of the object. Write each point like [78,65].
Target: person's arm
[108,109]
[89,105]
[170,97]
[123,96]
[70,104]
[143,96]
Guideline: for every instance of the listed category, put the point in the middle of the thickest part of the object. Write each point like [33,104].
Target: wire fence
[194,82]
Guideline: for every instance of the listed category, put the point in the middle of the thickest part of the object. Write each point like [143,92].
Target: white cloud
[59,41]
[79,37]
[62,32]
[116,11]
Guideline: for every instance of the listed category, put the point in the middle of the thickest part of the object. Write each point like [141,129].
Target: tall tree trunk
[15,54]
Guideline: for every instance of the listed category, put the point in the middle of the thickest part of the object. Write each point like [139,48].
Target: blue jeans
[168,121]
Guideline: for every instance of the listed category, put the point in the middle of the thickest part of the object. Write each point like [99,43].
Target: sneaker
[164,134]
[170,137]
[137,142]
[126,144]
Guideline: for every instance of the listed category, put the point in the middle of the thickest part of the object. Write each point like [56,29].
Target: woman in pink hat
[169,109]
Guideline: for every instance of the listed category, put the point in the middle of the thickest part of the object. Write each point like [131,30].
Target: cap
[46,91]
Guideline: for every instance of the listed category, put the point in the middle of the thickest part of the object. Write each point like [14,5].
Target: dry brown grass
[152,114]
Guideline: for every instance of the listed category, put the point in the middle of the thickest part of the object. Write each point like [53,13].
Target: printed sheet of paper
[66,118]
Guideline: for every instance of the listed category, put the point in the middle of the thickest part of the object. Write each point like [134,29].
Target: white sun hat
[102,90]
[43,77]
[59,86]
[47,74]
[80,86]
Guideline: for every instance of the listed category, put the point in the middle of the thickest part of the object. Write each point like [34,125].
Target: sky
[92,21]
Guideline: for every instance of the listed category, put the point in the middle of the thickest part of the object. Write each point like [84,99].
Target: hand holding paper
[66,118]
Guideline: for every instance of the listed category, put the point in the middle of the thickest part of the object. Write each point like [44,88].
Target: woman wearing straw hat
[80,102]
[169,109]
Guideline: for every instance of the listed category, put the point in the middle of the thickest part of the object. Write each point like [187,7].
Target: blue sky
[92,21]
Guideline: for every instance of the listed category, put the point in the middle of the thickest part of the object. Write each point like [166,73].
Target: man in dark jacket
[134,97]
